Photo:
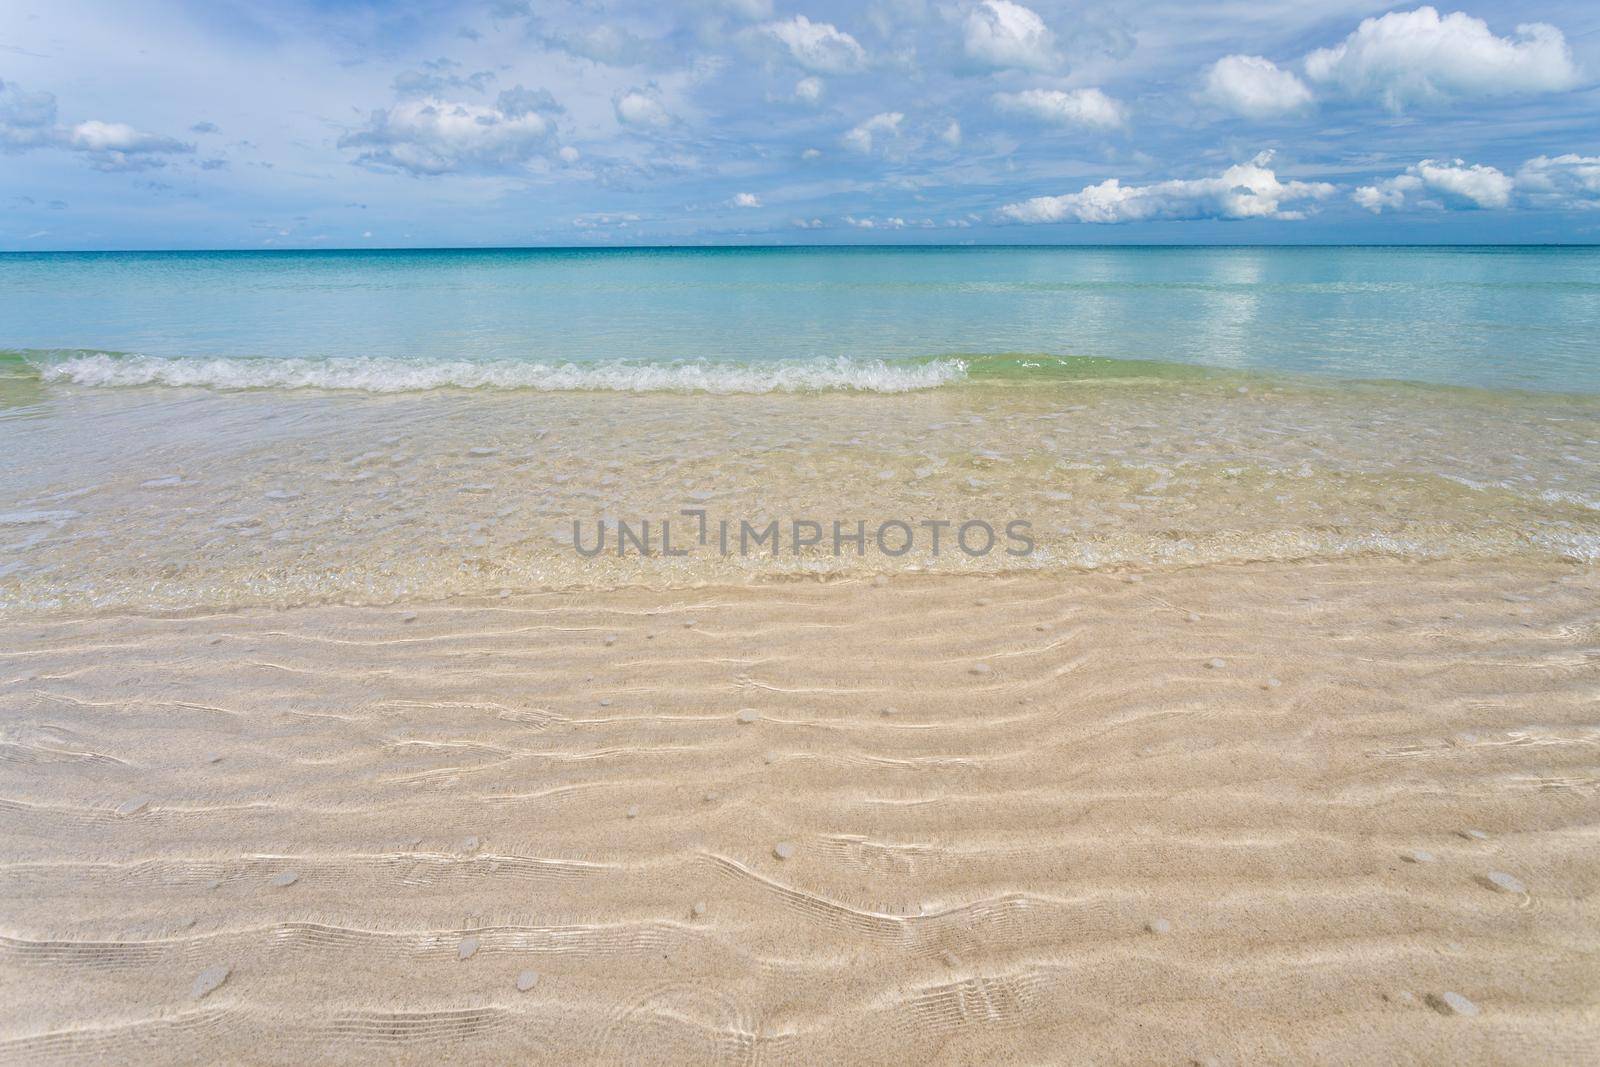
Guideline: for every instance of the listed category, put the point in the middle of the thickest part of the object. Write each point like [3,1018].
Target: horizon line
[852,246]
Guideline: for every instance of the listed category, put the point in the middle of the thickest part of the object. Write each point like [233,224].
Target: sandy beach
[1341,812]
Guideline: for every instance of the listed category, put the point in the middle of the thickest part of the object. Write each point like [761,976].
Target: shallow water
[223,430]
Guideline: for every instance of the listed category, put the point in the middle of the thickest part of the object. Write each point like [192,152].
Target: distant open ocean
[749,319]
[196,430]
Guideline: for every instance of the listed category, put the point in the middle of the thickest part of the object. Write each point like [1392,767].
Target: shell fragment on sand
[1449,1003]
[467,948]
[208,980]
[527,980]
[1417,855]
[783,849]
[286,879]
[1501,882]
[748,716]
[133,806]
[1158,926]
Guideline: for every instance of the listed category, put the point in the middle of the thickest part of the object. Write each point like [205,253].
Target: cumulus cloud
[746,200]
[1001,34]
[641,107]
[28,120]
[873,131]
[1565,182]
[1076,107]
[952,134]
[809,89]
[1438,184]
[1254,87]
[818,46]
[1408,57]
[429,136]
[1243,191]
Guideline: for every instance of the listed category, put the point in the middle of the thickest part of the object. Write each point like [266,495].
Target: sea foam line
[381,375]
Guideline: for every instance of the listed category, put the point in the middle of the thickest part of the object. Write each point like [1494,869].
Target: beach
[340,721]
[1223,814]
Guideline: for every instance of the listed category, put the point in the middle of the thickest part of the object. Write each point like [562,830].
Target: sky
[354,124]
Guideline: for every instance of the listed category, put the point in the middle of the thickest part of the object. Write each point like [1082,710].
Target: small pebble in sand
[633,811]
[1133,579]
[1453,1004]
[980,668]
[688,623]
[208,980]
[982,602]
[1190,616]
[605,702]
[469,844]
[888,711]
[712,797]
[468,946]
[949,959]
[1216,664]
[214,757]
[1417,855]
[133,806]
[1270,683]
[1158,926]
[481,452]
[505,594]
[286,879]
[1474,835]
[527,980]
[770,758]
[747,716]
[698,909]
[1501,882]
[611,639]
[408,616]
[783,850]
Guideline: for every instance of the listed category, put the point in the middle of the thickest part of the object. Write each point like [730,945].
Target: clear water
[192,431]
[1493,317]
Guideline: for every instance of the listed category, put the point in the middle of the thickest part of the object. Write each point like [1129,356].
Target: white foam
[377,375]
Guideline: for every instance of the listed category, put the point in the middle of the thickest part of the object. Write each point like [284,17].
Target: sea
[184,431]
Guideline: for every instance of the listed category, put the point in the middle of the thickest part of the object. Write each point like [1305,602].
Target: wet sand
[1339,812]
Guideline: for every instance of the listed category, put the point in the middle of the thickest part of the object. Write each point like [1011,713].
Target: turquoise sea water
[183,431]
[1494,317]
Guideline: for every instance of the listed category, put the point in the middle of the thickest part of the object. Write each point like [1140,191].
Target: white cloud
[639,107]
[28,120]
[1255,87]
[1456,183]
[892,223]
[1243,191]
[818,46]
[1566,182]
[811,153]
[746,200]
[872,131]
[569,154]
[1076,107]
[1417,56]
[432,136]
[999,33]
[809,89]
[952,134]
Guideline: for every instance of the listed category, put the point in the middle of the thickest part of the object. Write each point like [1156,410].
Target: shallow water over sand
[161,497]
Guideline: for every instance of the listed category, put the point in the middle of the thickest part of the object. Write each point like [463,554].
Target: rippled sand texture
[1232,814]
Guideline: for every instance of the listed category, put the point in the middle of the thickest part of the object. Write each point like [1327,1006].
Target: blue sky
[218,124]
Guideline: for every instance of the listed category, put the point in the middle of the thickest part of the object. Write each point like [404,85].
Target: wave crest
[382,375]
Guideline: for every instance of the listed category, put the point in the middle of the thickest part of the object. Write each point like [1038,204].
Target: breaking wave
[384,375]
